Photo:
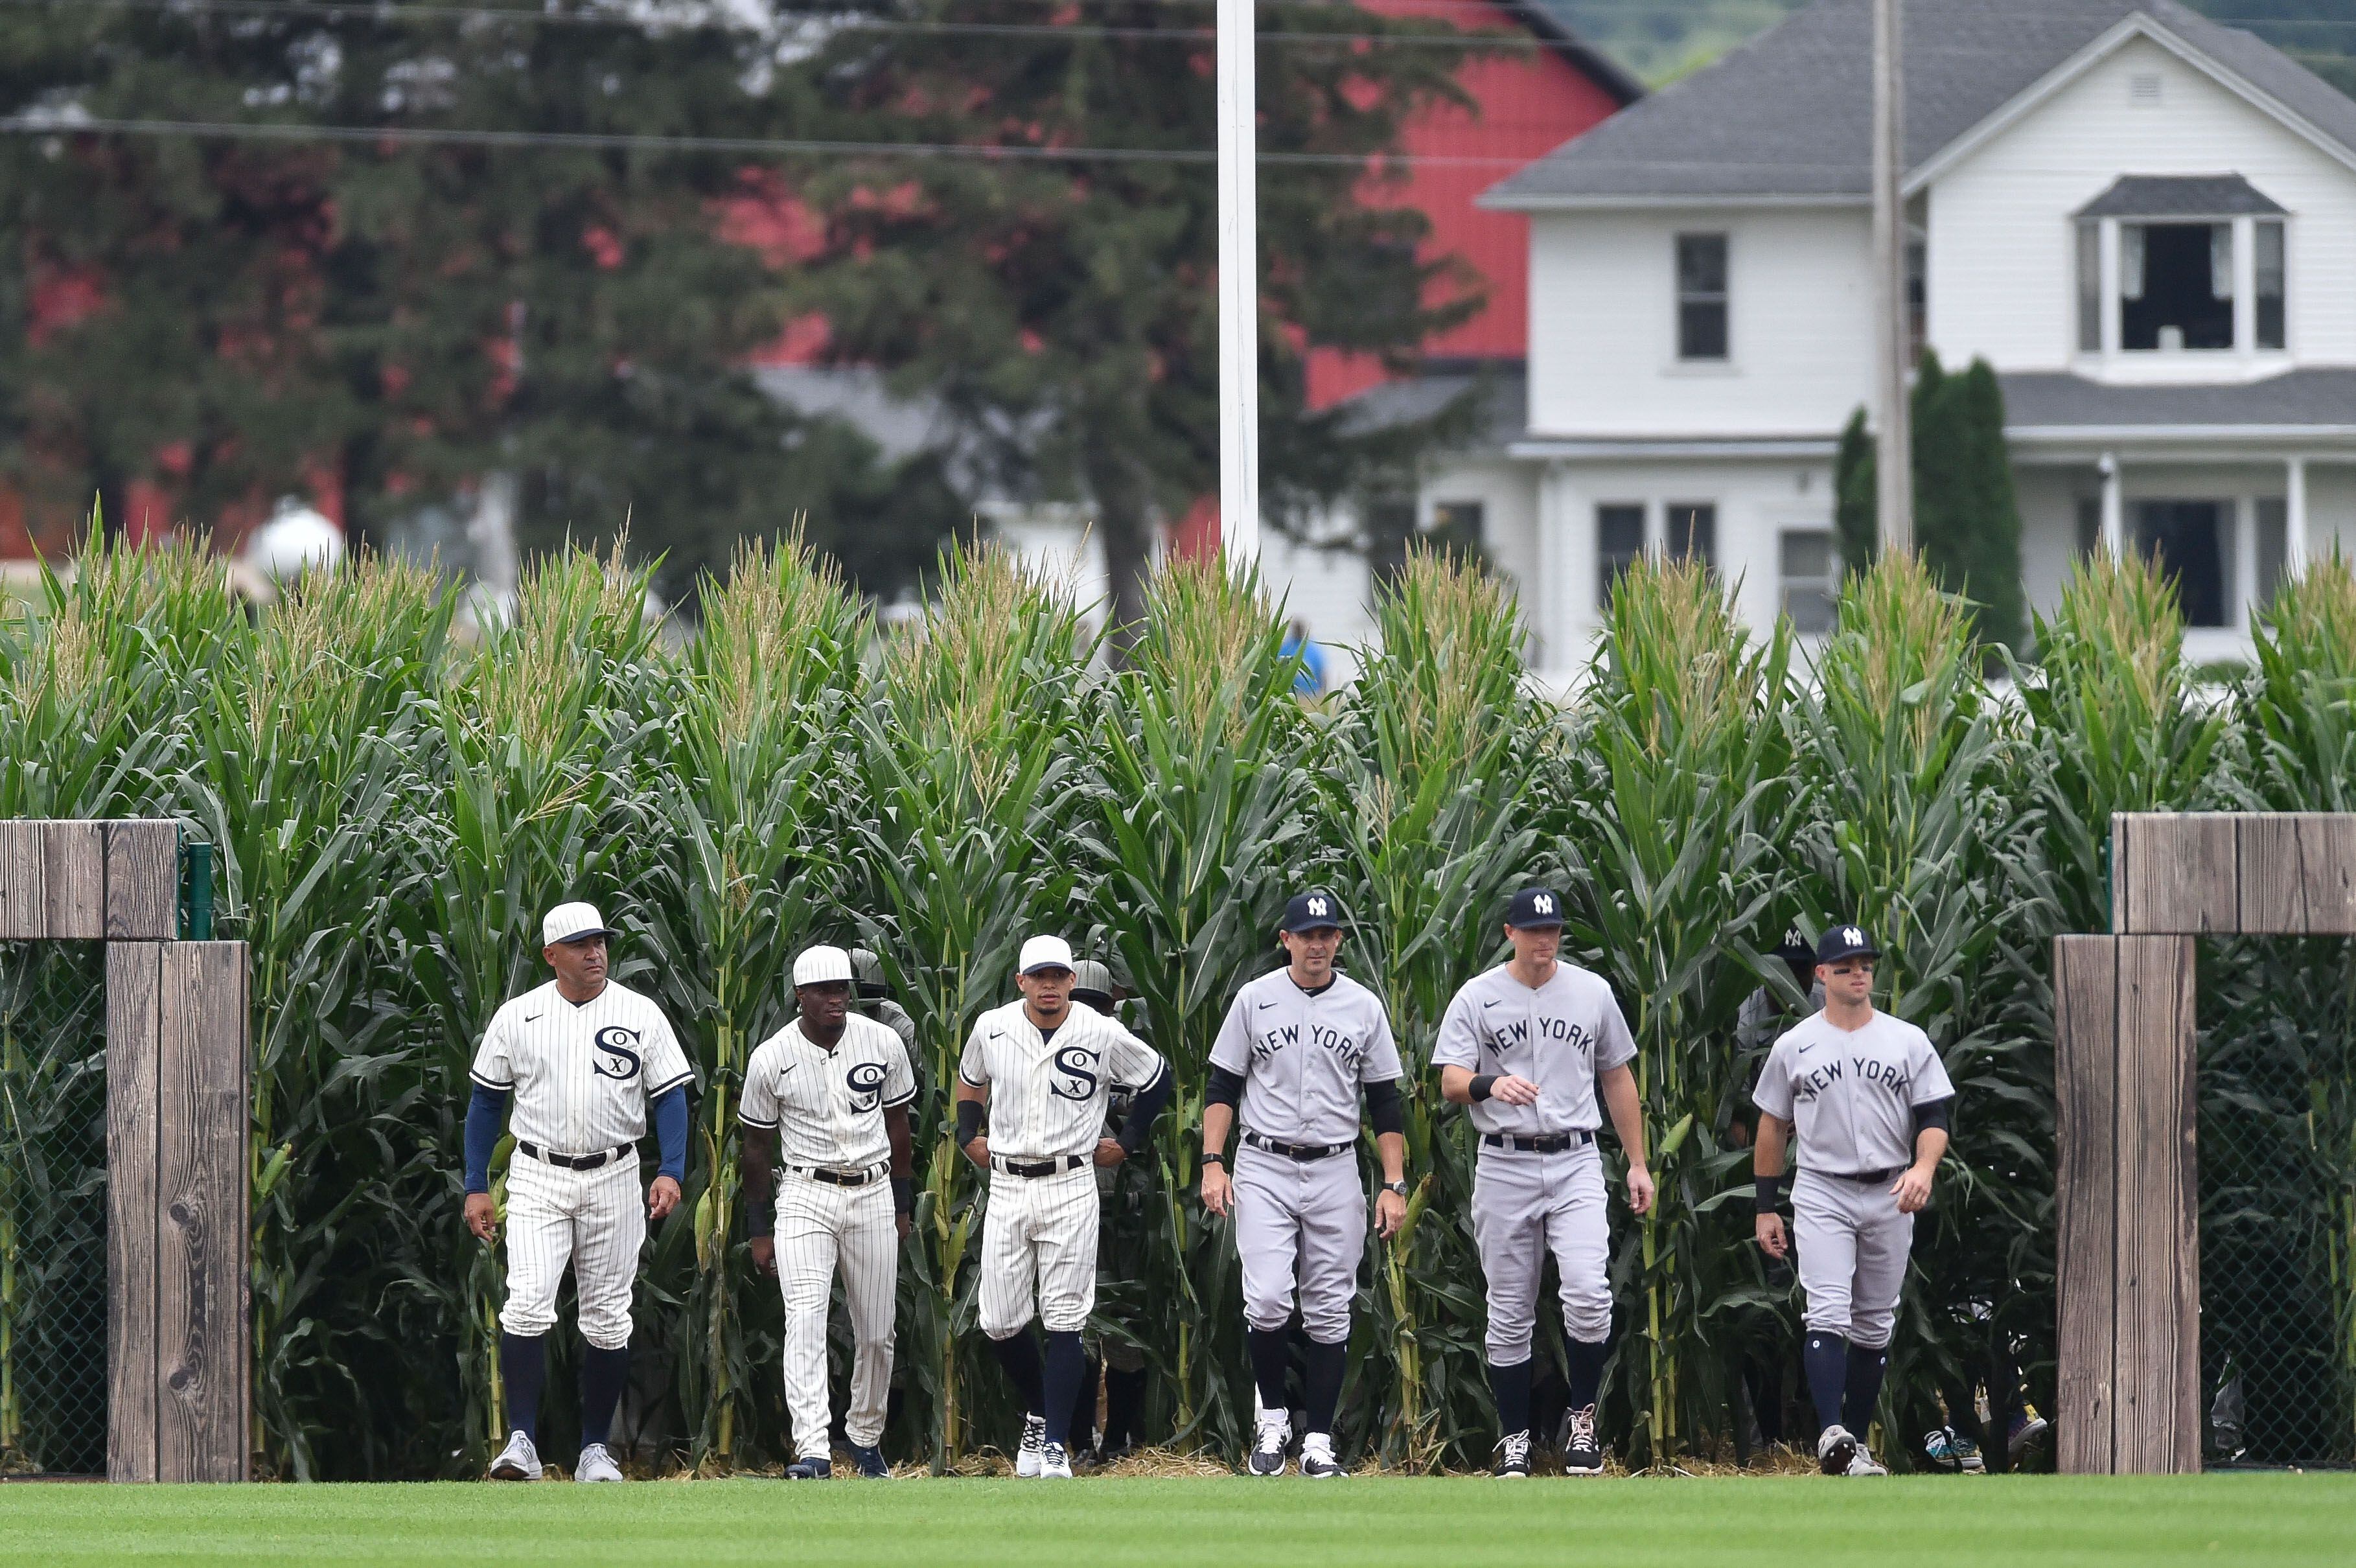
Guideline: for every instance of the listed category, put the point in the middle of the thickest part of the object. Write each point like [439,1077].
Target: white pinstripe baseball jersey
[1559,1035]
[1048,1096]
[1305,1059]
[827,1105]
[582,1073]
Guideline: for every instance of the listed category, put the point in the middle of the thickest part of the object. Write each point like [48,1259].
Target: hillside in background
[1660,40]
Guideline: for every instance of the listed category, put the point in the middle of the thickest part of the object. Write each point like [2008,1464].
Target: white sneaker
[1861,1464]
[1267,1444]
[1835,1449]
[597,1465]
[1317,1460]
[1055,1463]
[518,1461]
[1028,1458]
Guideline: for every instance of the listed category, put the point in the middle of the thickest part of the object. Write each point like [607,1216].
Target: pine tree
[1857,513]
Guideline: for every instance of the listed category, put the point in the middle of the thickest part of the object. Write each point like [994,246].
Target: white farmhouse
[2147,222]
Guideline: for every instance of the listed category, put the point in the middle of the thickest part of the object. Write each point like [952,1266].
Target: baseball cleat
[1055,1463]
[2026,1427]
[1835,1449]
[1317,1460]
[810,1468]
[597,1465]
[1582,1454]
[1028,1458]
[1513,1456]
[518,1461]
[1861,1464]
[870,1462]
[1267,1446]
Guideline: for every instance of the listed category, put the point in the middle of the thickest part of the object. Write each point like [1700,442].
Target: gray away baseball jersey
[1047,1097]
[1851,1093]
[1304,1058]
[582,1073]
[827,1105]
[1559,1037]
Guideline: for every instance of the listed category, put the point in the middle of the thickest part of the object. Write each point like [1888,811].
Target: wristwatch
[1397,1186]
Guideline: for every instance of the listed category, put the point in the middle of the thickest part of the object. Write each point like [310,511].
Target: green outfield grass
[1361,1523]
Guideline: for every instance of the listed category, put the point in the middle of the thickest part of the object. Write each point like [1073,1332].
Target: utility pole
[1238,139]
[1893,332]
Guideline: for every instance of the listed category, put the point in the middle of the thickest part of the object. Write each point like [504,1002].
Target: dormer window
[2181,265]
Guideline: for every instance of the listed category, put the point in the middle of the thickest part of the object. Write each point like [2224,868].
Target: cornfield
[394,805]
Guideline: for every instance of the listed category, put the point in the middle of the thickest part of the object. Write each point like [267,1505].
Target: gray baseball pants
[1523,1205]
[1852,1244]
[1300,1225]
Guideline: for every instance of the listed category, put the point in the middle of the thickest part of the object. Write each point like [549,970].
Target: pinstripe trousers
[823,1229]
[597,1220]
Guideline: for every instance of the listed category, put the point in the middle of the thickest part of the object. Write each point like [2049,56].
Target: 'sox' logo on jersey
[866,1083]
[1077,1064]
[617,1054]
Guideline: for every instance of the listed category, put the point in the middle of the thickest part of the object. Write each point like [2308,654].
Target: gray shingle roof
[2057,401]
[1503,415]
[2196,196]
[1789,113]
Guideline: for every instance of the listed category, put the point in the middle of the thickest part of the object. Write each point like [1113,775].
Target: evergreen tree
[1857,511]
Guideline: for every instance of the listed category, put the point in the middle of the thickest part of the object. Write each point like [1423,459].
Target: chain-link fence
[52,1207]
[2277,1160]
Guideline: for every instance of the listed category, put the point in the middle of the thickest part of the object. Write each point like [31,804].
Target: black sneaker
[870,1462]
[818,1468]
[1513,1456]
[1582,1454]
[1835,1449]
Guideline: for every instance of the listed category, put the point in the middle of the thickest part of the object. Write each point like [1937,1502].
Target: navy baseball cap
[1315,910]
[1534,906]
[1845,941]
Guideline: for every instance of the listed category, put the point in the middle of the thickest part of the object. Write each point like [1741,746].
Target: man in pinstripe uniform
[590,1062]
[1042,1070]
[829,1094]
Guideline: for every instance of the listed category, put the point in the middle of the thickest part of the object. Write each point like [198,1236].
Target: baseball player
[875,1000]
[1869,1099]
[829,1094]
[1041,1069]
[1300,1046]
[1531,1047]
[1118,1242]
[589,1062]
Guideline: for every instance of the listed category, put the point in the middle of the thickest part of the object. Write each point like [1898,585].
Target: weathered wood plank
[2174,873]
[143,881]
[2299,873]
[2086,1081]
[133,976]
[2156,1385]
[202,1236]
[74,867]
[24,900]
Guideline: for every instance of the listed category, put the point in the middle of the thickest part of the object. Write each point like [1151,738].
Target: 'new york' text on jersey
[1303,1058]
[1851,1093]
[1558,1036]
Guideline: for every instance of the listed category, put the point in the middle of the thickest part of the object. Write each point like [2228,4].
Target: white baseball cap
[570,922]
[1045,952]
[822,965]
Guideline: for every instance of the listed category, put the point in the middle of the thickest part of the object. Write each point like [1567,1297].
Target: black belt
[1866,1179]
[839,1178]
[575,1162]
[1056,1167]
[1304,1153]
[1552,1144]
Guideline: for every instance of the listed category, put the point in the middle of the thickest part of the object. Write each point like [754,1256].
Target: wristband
[1213,1157]
[904,1194]
[1484,1085]
[1770,1189]
[968,1122]
[764,1216]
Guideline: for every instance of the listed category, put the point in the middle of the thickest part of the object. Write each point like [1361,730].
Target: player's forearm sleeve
[671,1132]
[1932,1113]
[1224,1087]
[1383,1108]
[1143,1107]
[484,1114]
[968,1122]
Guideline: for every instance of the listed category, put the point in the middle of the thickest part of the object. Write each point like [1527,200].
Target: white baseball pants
[1852,1245]
[1523,1205]
[1040,1233]
[822,1228]
[597,1220]
[1300,1222]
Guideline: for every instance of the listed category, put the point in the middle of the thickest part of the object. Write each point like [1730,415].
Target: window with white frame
[1692,530]
[1808,567]
[2273,284]
[1702,329]
[1619,540]
[2175,264]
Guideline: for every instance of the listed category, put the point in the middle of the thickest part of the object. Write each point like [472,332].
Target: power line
[599,141]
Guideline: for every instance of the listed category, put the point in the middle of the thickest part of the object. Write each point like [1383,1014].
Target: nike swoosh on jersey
[533,1017]
[1266,1005]
[1486,1005]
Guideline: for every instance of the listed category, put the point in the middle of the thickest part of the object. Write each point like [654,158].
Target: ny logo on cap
[1318,906]
[1852,936]
[1543,903]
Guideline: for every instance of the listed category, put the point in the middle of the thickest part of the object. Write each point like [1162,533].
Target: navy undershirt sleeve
[670,1110]
[484,1114]
[1225,1087]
